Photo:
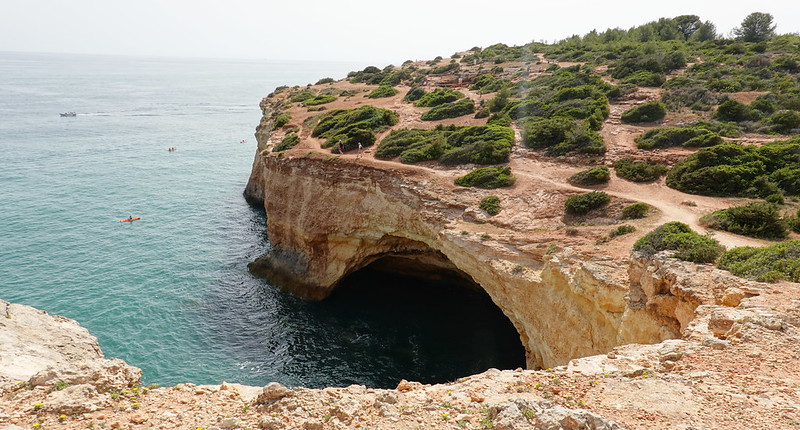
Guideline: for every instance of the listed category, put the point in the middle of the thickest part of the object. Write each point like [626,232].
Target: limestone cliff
[328,217]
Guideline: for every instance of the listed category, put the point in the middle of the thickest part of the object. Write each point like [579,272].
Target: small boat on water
[130,219]
[68,114]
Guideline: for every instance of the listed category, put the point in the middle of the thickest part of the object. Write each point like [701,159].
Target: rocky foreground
[734,367]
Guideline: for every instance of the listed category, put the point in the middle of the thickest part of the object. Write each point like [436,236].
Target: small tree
[757,27]
[687,24]
[706,31]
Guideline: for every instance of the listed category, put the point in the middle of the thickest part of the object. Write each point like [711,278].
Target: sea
[171,293]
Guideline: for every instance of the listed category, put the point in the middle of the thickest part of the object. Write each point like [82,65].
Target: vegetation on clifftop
[352,126]
[679,237]
[487,177]
[730,169]
[756,219]
[769,264]
[451,145]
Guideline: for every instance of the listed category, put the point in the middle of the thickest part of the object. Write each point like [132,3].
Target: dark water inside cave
[395,327]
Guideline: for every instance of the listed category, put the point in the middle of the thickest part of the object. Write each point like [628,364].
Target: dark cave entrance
[424,320]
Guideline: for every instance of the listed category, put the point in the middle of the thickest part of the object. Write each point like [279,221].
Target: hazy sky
[378,32]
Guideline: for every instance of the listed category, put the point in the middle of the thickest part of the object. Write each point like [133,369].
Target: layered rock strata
[328,217]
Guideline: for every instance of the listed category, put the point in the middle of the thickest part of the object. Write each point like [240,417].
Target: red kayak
[130,219]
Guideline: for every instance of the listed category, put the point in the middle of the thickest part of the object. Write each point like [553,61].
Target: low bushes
[561,135]
[647,112]
[561,111]
[488,144]
[734,111]
[730,169]
[581,204]
[301,96]
[621,230]
[487,177]
[450,110]
[679,237]
[673,136]
[491,205]
[352,126]
[289,141]
[282,119]
[639,171]
[487,83]
[438,97]
[636,210]
[414,94]
[779,261]
[319,100]
[593,176]
[794,222]
[757,219]
[382,91]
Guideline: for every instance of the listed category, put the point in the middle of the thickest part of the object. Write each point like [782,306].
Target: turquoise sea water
[171,293]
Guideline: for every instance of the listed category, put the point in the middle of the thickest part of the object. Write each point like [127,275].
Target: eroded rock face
[55,355]
[33,340]
[327,217]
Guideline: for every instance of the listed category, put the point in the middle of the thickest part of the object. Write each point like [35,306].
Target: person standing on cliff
[360,150]
[341,147]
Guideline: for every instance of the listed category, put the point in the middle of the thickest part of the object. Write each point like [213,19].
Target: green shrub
[636,210]
[382,91]
[500,101]
[482,113]
[639,171]
[352,126]
[779,261]
[677,236]
[325,81]
[592,176]
[282,119]
[757,219]
[487,177]
[489,144]
[374,76]
[287,142]
[301,96]
[784,121]
[449,67]
[546,132]
[684,136]
[438,97]
[414,94]
[581,204]
[776,199]
[561,135]
[449,110]
[794,222]
[491,205]
[730,169]
[319,100]
[646,112]
[621,230]
[695,97]
[487,83]
[645,78]
[731,110]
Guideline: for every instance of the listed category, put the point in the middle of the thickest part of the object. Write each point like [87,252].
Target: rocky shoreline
[733,367]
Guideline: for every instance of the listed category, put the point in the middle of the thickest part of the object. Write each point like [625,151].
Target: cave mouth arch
[425,320]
